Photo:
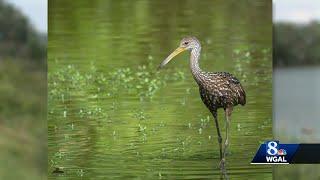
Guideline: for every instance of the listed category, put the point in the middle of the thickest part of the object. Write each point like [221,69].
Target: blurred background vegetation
[296,44]
[23,132]
[296,77]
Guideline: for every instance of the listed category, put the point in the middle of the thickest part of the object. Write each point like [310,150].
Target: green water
[111,115]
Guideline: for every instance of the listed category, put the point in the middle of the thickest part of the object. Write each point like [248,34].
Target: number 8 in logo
[272,148]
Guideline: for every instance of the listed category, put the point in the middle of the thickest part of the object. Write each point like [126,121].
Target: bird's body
[217,89]
[220,90]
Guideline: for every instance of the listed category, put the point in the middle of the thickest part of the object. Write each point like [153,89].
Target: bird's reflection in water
[224,174]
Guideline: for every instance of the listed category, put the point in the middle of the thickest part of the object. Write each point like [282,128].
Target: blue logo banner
[272,152]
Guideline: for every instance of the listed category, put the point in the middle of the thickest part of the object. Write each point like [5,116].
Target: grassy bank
[22,121]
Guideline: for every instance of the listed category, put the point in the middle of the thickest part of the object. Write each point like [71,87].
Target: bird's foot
[222,164]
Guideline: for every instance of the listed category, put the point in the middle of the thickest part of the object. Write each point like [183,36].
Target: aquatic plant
[142,81]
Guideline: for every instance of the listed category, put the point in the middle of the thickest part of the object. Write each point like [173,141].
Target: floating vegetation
[183,101]
[143,81]
[92,112]
[71,126]
[179,75]
[59,154]
[238,126]
[188,90]
[245,57]
[140,115]
[66,137]
[123,108]
[142,128]
[80,172]
[205,121]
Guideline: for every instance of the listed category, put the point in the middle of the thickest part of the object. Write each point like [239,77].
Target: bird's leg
[215,115]
[228,112]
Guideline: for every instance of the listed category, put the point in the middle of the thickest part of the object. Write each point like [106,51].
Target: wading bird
[217,89]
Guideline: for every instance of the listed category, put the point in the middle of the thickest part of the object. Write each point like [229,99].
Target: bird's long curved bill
[171,56]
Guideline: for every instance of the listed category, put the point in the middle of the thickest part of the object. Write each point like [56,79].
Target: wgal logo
[273,152]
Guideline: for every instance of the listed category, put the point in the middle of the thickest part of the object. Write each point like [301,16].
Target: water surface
[296,116]
[111,115]
[297,102]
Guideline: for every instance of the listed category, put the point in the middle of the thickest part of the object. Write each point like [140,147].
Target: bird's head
[187,43]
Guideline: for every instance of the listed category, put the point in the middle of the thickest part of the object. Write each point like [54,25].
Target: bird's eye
[186,43]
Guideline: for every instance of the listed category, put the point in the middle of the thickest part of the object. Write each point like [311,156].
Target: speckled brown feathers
[220,90]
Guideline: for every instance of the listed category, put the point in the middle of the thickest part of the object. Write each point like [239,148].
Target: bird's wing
[231,78]
[235,85]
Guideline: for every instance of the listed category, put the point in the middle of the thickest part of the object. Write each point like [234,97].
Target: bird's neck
[194,64]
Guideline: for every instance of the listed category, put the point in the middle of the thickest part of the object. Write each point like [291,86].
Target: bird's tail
[242,98]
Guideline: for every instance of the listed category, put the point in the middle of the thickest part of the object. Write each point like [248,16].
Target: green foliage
[17,90]
[22,114]
[296,44]
[23,91]
[18,39]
